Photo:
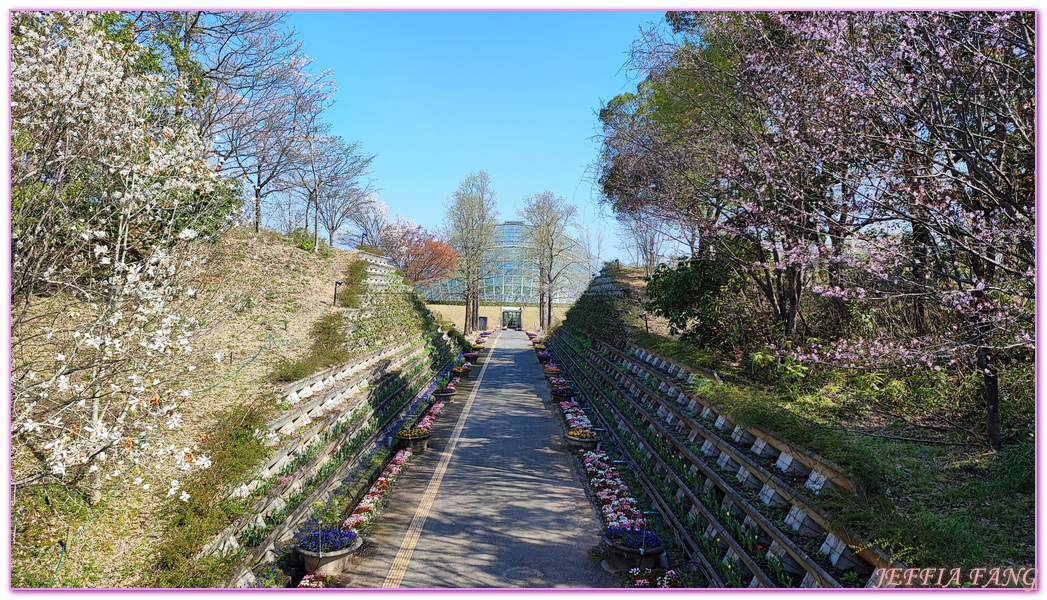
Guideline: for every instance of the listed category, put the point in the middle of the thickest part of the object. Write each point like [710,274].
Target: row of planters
[579,429]
[352,436]
[695,558]
[347,537]
[632,545]
[325,545]
[769,506]
[327,539]
[722,517]
[372,409]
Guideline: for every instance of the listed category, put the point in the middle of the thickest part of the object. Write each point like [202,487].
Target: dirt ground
[632,280]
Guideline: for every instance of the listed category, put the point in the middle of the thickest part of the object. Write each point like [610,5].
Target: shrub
[353,284]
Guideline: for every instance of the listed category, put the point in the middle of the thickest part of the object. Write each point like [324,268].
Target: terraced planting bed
[733,495]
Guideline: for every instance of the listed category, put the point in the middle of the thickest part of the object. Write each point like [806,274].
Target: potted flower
[654,578]
[461,371]
[444,390]
[551,369]
[634,545]
[326,550]
[544,357]
[371,504]
[561,391]
[583,438]
[312,580]
[471,357]
[415,438]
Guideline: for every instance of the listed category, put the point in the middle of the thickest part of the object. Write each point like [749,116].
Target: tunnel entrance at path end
[512,316]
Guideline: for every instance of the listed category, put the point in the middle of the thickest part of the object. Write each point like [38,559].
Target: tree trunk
[257,210]
[316,230]
[921,240]
[991,395]
[468,306]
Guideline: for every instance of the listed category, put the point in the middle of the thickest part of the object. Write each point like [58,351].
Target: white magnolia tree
[109,188]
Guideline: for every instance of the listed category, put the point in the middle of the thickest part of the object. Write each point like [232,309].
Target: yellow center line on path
[414,531]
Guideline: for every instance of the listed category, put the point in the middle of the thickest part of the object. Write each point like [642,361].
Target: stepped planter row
[782,555]
[288,453]
[726,542]
[629,542]
[819,472]
[730,445]
[363,435]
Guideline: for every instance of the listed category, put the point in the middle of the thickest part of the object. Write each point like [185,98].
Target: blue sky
[439,95]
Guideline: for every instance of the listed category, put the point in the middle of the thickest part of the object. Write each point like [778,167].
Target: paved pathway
[495,501]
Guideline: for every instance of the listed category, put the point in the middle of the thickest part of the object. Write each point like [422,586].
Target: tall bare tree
[592,246]
[644,241]
[328,174]
[548,245]
[370,220]
[470,221]
[230,61]
[265,136]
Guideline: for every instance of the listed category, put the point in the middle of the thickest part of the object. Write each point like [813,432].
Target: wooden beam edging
[368,375]
[866,551]
[766,477]
[323,374]
[799,555]
[711,572]
[830,470]
[706,512]
[700,371]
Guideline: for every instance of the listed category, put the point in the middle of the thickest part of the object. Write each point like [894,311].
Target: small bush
[353,285]
[371,249]
[235,451]
[328,349]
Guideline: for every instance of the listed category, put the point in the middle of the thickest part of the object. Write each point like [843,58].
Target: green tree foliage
[690,297]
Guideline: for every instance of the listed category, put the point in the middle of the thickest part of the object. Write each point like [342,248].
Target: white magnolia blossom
[95,117]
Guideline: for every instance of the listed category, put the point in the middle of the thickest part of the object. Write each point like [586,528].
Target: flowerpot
[329,563]
[417,443]
[558,398]
[464,373]
[445,396]
[471,359]
[580,443]
[635,558]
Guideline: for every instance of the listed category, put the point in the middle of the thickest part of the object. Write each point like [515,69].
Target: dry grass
[250,287]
